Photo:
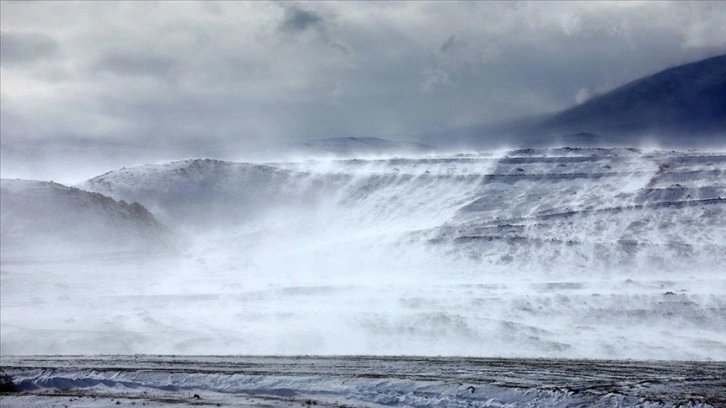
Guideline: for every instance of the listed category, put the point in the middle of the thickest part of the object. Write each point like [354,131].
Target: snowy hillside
[592,208]
[206,193]
[587,207]
[45,218]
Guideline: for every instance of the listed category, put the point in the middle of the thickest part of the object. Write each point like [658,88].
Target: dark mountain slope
[683,107]
[672,105]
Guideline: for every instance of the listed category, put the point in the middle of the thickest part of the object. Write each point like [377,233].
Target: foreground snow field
[359,382]
[546,253]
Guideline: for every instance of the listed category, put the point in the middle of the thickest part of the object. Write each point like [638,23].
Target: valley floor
[138,380]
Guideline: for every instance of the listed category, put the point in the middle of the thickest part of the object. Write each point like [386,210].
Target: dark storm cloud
[19,47]
[451,44]
[298,19]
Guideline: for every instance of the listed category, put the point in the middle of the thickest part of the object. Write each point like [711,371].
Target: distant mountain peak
[679,107]
[684,101]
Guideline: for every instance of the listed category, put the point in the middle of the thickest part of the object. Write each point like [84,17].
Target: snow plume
[593,253]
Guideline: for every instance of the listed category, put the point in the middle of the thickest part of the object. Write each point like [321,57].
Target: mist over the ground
[553,253]
[90,87]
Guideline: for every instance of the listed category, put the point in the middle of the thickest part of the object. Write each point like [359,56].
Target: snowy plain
[356,381]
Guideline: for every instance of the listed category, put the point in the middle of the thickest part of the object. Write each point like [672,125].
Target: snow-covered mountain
[200,192]
[587,206]
[43,218]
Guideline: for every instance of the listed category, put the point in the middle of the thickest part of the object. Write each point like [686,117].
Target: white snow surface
[354,381]
[555,253]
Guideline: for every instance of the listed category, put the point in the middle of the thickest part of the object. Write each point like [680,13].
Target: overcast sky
[195,78]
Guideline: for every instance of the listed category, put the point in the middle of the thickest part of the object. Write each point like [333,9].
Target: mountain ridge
[196,191]
[47,217]
[689,98]
[679,107]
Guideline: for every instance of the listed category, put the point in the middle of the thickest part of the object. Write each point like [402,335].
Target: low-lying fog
[577,253]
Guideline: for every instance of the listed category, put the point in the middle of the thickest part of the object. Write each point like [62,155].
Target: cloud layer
[198,78]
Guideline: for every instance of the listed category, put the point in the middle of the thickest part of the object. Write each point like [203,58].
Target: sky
[121,82]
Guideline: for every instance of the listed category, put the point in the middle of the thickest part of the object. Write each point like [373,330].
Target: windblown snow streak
[579,253]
